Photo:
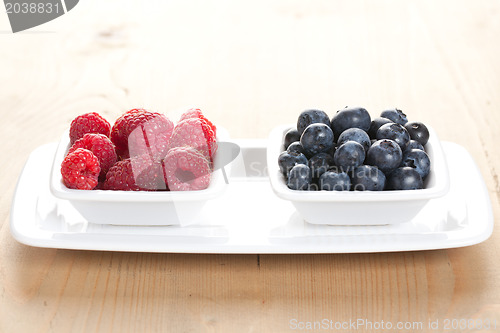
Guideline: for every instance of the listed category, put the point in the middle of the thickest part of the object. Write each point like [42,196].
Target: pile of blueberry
[353,152]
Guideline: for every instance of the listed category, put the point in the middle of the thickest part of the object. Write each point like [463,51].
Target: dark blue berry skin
[355,134]
[418,132]
[350,117]
[291,136]
[320,163]
[375,125]
[368,178]
[395,132]
[332,150]
[296,147]
[287,161]
[300,178]
[334,181]
[414,145]
[309,117]
[384,154]
[349,156]
[418,160]
[395,115]
[404,178]
[317,138]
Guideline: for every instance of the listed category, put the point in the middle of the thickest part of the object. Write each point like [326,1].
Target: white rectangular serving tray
[250,218]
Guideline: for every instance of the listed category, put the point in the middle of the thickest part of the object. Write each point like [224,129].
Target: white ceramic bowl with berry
[143,208]
[359,207]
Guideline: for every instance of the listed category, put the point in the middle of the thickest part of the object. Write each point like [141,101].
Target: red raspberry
[80,170]
[196,133]
[151,137]
[90,122]
[196,113]
[186,169]
[101,146]
[156,129]
[135,174]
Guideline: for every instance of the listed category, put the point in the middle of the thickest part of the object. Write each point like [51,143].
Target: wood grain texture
[250,66]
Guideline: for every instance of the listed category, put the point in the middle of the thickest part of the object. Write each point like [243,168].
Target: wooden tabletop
[250,66]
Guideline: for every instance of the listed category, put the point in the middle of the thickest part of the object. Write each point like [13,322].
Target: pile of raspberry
[142,151]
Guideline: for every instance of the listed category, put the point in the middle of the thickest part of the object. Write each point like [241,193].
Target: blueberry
[313,187]
[355,134]
[418,132]
[335,181]
[395,115]
[296,147]
[331,151]
[350,117]
[291,136]
[375,125]
[300,178]
[414,145]
[288,160]
[419,160]
[368,178]
[394,132]
[320,163]
[404,178]
[349,156]
[384,154]
[309,117]
[317,138]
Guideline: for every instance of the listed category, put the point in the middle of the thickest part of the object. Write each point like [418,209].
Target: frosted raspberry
[186,169]
[195,133]
[101,146]
[153,130]
[135,174]
[90,122]
[80,170]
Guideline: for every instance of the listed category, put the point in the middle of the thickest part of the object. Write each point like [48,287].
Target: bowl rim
[439,168]
[59,190]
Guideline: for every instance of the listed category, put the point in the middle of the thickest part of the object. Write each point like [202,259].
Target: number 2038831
[32,8]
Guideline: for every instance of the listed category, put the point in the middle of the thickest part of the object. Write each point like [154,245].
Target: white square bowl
[139,207]
[359,207]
